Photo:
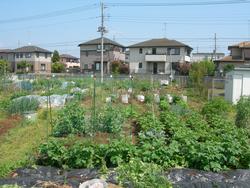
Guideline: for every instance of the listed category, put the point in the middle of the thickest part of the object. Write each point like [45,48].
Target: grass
[19,144]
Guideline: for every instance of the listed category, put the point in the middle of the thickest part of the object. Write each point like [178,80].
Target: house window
[17,55]
[86,66]
[140,65]
[46,55]
[87,54]
[21,55]
[43,67]
[140,51]
[153,51]
[98,47]
[37,54]
[176,51]
[97,66]
[27,55]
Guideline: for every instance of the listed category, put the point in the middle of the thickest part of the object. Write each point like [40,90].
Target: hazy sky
[63,24]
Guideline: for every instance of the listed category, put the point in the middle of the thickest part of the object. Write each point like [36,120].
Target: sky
[63,24]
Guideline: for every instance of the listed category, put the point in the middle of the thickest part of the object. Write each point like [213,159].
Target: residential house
[8,55]
[39,58]
[157,56]
[196,57]
[90,55]
[239,56]
[72,64]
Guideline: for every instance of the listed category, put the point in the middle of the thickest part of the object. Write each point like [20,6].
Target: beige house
[90,55]
[157,56]
[72,64]
[39,58]
[8,55]
[239,56]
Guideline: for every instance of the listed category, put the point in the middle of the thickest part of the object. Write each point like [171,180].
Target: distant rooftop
[6,50]
[245,44]
[98,41]
[207,53]
[162,42]
[229,59]
[30,49]
[68,56]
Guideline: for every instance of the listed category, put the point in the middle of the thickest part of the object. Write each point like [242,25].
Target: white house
[237,84]
[157,56]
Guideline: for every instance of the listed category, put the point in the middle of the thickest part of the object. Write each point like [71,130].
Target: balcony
[155,58]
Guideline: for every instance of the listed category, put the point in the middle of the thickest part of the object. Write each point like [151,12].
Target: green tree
[3,67]
[55,57]
[197,73]
[57,67]
[243,113]
[227,68]
[23,66]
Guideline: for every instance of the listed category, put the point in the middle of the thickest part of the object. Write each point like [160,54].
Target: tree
[227,68]
[197,73]
[3,67]
[23,66]
[57,67]
[55,57]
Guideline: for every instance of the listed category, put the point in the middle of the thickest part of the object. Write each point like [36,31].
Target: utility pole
[102,30]
[215,46]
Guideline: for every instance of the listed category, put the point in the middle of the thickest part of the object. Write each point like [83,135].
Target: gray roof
[30,49]
[207,53]
[98,41]
[68,56]
[162,42]
[6,51]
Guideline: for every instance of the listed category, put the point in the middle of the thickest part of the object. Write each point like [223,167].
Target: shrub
[139,174]
[22,105]
[243,113]
[109,120]
[70,120]
[216,106]
[164,105]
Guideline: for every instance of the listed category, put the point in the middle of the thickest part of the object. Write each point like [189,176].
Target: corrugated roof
[98,41]
[68,56]
[29,49]
[245,44]
[163,42]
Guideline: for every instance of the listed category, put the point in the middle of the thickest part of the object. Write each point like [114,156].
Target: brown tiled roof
[98,41]
[245,44]
[68,56]
[229,59]
[29,49]
[163,42]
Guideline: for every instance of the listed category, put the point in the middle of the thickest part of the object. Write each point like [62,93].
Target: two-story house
[72,64]
[157,56]
[8,55]
[39,58]
[90,55]
[239,56]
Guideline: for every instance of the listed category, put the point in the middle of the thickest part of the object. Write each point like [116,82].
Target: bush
[109,120]
[22,105]
[139,174]
[216,106]
[70,120]
[243,113]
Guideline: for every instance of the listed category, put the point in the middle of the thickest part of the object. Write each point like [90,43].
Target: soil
[7,124]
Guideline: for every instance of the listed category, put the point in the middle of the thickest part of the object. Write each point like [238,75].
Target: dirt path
[7,124]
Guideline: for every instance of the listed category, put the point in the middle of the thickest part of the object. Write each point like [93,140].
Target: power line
[50,14]
[229,2]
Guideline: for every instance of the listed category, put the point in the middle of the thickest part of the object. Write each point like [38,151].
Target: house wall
[89,54]
[236,53]
[135,58]
[36,62]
